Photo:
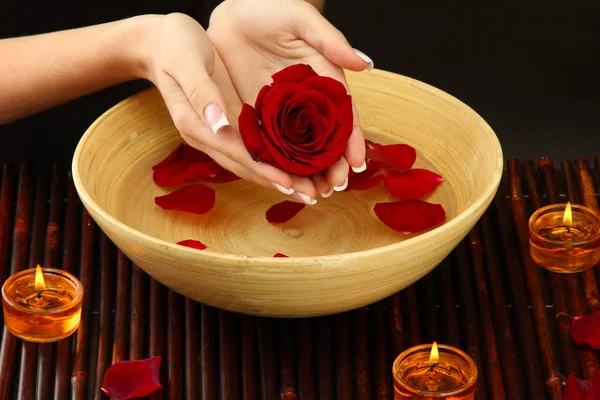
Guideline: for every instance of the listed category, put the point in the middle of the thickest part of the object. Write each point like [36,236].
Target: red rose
[300,123]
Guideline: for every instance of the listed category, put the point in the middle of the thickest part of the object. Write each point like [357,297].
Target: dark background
[530,70]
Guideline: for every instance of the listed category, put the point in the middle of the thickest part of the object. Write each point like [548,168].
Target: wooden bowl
[341,256]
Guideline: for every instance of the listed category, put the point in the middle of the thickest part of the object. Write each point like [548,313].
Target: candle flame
[39,279]
[568,216]
[434,357]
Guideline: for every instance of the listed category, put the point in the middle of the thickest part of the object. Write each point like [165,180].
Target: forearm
[38,72]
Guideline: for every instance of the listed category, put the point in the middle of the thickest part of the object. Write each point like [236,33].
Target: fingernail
[282,189]
[327,193]
[343,187]
[361,168]
[304,198]
[366,58]
[215,117]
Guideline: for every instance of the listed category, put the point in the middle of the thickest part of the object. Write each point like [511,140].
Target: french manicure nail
[361,168]
[341,188]
[282,189]
[366,58]
[327,193]
[215,117]
[304,198]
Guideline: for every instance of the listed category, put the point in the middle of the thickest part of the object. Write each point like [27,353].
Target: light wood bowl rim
[474,209]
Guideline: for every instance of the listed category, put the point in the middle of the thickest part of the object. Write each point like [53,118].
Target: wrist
[135,38]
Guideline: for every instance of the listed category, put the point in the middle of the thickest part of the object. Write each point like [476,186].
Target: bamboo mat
[487,298]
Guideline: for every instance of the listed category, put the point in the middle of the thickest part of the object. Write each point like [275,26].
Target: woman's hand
[256,38]
[179,59]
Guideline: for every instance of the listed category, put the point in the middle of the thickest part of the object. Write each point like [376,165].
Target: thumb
[207,100]
[314,29]
[193,75]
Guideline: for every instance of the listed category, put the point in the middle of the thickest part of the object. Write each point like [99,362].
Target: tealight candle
[42,304]
[434,372]
[565,237]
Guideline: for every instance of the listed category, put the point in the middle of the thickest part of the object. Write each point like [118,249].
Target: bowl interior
[114,162]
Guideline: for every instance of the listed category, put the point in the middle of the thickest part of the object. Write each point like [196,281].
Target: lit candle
[565,237]
[434,372]
[42,304]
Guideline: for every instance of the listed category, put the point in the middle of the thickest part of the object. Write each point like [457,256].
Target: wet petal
[196,198]
[223,176]
[194,244]
[284,211]
[129,379]
[182,172]
[400,156]
[586,329]
[175,154]
[410,216]
[411,184]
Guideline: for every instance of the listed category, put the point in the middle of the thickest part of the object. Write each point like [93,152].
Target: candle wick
[40,293]
[435,363]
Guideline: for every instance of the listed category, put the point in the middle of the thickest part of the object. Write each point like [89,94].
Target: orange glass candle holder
[434,372]
[565,238]
[42,307]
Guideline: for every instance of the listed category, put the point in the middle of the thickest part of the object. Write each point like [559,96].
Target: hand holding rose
[290,32]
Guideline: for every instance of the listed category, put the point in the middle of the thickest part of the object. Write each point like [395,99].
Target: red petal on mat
[411,184]
[586,329]
[280,255]
[128,379]
[400,156]
[410,216]
[577,389]
[284,211]
[194,244]
[197,199]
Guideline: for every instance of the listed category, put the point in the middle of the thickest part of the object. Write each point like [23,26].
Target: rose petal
[410,216]
[411,184]
[362,181]
[332,88]
[280,255]
[175,154]
[400,156]
[196,198]
[128,379]
[224,176]
[194,244]
[577,389]
[586,329]
[294,73]
[182,172]
[284,211]
[250,131]
[186,165]
[259,99]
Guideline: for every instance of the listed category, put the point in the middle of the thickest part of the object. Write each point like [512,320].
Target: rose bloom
[301,122]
